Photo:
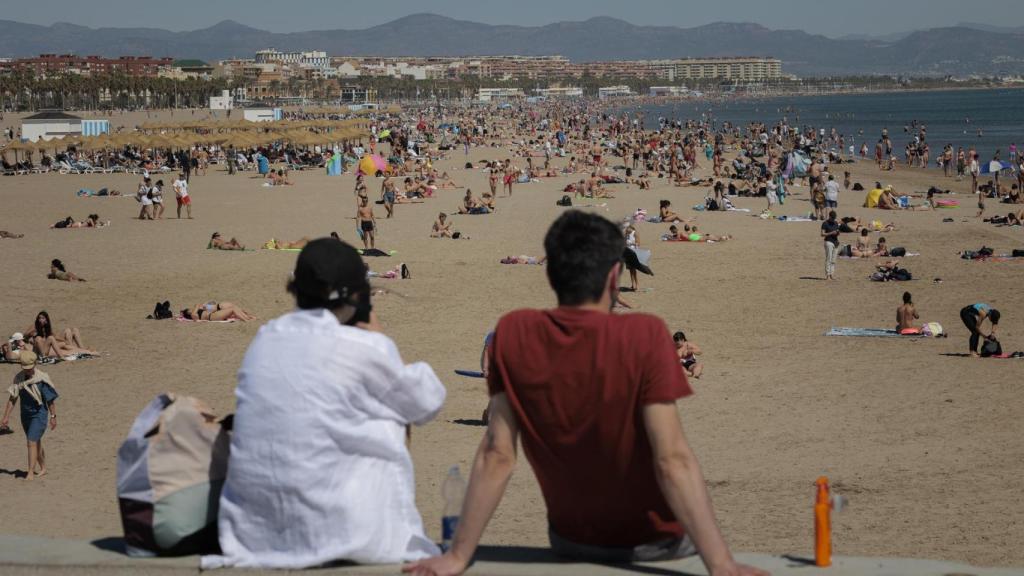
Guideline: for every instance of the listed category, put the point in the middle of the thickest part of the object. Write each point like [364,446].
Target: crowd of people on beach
[349,381]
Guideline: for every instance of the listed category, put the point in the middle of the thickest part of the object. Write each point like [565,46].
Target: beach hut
[261,114]
[50,124]
[95,127]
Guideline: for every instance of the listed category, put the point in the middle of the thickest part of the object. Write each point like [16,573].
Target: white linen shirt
[319,469]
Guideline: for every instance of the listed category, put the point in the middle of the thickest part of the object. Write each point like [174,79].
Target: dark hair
[57,264]
[94,217]
[679,336]
[832,215]
[906,298]
[863,231]
[581,249]
[665,203]
[186,314]
[993,316]
[881,240]
[47,330]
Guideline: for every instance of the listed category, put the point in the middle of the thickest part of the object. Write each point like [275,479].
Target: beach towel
[947,204]
[183,319]
[376,252]
[50,360]
[170,470]
[865,332]
[795,219]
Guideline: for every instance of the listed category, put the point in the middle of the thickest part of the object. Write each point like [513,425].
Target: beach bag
[162,311]
[565,201]
[898,252]
[932,329]
[901,275]
[170,471]
[991,348]
[858,187]
[1017,254]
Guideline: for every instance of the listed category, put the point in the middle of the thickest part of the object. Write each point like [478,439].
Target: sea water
[989,120]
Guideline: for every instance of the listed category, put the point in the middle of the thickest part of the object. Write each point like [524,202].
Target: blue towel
[866,332]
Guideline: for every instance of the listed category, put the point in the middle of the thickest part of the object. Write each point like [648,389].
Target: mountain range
[965,49]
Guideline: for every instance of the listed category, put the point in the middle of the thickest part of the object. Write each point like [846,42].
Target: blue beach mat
[864,332]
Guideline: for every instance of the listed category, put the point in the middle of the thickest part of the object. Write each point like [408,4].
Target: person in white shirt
[145,197]
[319,470]
[831,192]
[181,195]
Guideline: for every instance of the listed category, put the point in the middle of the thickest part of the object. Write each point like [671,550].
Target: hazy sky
[829,17]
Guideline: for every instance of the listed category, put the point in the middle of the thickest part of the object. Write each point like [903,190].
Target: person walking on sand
[181,195]
[367,222]
[35,390]
[830,233]
[588,454]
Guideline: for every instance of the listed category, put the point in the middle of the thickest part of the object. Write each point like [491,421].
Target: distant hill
[991,28]
[961,50]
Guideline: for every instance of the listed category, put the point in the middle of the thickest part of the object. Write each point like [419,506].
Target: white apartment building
[560,92]
[614,91]
[499,94]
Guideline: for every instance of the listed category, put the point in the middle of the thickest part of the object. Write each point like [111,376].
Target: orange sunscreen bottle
[822,524]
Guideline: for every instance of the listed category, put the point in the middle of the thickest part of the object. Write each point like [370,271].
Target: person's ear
[612,281]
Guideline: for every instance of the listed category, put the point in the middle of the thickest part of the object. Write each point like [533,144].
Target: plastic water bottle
[453,491]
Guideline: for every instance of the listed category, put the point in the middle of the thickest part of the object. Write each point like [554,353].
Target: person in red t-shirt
[592,395]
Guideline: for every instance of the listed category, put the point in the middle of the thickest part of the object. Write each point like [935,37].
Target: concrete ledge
[24,556]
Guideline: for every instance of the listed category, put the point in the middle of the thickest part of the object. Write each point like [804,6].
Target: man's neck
[603,305]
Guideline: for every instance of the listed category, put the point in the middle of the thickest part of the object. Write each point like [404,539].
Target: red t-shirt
[577,381]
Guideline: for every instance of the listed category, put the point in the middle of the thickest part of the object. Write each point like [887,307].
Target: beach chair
[67,168]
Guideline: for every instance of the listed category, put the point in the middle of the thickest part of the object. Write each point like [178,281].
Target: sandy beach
[924,442]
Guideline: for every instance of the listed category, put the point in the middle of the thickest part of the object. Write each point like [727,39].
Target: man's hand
[738,570]
[447,565]
[53,423]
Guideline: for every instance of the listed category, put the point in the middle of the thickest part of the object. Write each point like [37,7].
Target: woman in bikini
[216,312]
[274,244]
[218,243]
[668,215]
[492,177]
[50,343]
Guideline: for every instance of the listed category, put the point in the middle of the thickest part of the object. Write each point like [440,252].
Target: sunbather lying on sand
[691,234]
[218,243]
[274,244]
[6,234]
[216,312]
[524,260]
[93,221]
[57,272]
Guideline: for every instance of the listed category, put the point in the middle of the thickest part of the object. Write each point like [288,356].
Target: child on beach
[688,352]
